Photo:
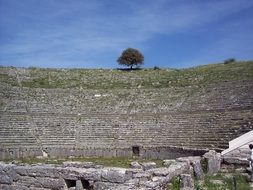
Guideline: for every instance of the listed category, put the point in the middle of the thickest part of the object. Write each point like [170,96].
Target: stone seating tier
[16,99]
[184,130]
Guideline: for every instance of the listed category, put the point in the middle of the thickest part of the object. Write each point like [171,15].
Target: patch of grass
[203,163]
[5,78]
[223,181]
[220,181]
[174,184]
[123,162]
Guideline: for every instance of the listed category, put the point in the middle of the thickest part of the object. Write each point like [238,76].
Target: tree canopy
[131,57]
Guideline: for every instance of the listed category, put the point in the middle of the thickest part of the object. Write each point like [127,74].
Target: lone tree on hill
[130,57]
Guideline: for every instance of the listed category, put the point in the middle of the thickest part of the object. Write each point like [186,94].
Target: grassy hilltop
[116,79]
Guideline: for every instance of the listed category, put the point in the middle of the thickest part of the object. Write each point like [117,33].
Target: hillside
[100,112]
[117,79]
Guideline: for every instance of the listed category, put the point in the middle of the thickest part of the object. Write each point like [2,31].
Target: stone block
[213,161]
[143,176]
[79,185]
[112,186]
[195,163]
[70,173]
[5,179]
[164,171]
[148,165]
[197,169]
[151,184]
[186,182]
[177,169]
[115,175]
[78,164]
[37,171]
[8,187]
[236,161]
[160,180]
[90,174]
[167,163]
[135,165]
[40,182]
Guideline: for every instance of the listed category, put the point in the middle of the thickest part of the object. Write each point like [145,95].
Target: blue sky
[93,33]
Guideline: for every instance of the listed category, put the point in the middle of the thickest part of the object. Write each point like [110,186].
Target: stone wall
[57,151]
[86,175]
[81,176]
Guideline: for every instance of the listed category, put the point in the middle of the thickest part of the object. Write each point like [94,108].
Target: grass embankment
[143,78]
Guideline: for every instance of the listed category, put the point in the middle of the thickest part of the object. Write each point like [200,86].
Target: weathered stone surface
[78,164]
[135,165]
[4,179]
[62,177]
[132,182]
[178,168]
[37,171]
[40,182]
[142,176]
[197,169]
[69,173]
[160,171]
[150,184]
[184,159]
[186,182]
[112,186]
[115,175]
[189,159]
[213,161]
[79,185]
[236,161]
[7,187]
[161,180]
[196,165]
[92,174]
[148,165]
[7,173]
[167,163]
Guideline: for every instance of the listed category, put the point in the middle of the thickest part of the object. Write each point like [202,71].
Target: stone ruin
[72,175]
[86,175]
[163,123]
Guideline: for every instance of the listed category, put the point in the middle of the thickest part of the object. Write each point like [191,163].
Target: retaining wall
[87,176]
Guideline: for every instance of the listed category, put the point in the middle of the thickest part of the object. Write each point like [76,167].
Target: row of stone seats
[66,101]
[184,129]
[212,97]
[16,131]
[55,130]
